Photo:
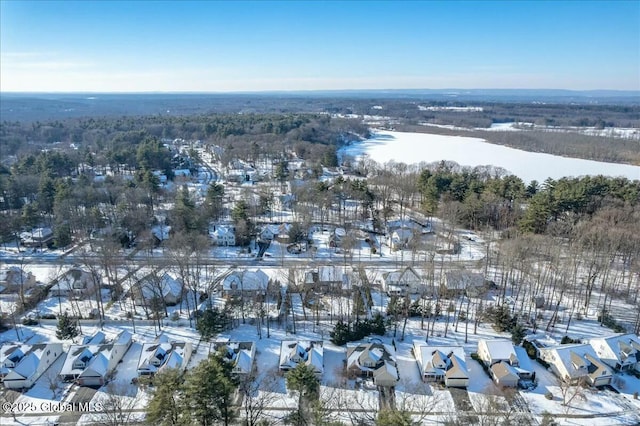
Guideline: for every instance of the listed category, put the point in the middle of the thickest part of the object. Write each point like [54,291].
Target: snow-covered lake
[413,148]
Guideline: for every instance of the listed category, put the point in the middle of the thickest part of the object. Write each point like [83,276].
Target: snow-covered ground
[412,148]
[434,402]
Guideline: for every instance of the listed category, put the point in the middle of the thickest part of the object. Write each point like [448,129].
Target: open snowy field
[412,148]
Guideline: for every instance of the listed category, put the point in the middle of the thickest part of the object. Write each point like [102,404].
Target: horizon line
[293,91]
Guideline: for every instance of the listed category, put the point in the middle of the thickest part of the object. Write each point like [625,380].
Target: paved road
[83,395]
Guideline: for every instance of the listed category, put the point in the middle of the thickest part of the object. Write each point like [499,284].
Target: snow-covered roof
[240,354]
[246,280]
[73,279]
[154,355]
[461,280]
[90,352]
[10,355]
[27,365]
[123,338]
[617,348]
[293,351]
[182,172]
[96,339]
[502,370]
[222,231]
[175,360]
[98,366]
[402,277]
[401,234]
[388,369]
[37,234]
[167,286]
[403,224]
[499,350]
[161,232]
[574,361]
[14,276]
[432,359]
[330,273]
[377,352]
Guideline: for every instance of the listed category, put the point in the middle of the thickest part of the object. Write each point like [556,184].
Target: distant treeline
[271,132]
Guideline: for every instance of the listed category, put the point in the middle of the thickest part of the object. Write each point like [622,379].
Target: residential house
[156,357]
[400,238]
[294,352]
[97,339]
[268,233]
[375,360]
[508,364]
[618,351]
[336,237]
[38,237]
[92,364]
[35,360]
[245,283]
[577,364]
[442,364]
[282,235]
[402,282]
[185,173]
[163,287]
[504,374]
[410,224]
[160,233]
[284,201]
[10,356]
[76,282]
[326,279]
[14,279]
[222,235]
[241,355]
[463,282]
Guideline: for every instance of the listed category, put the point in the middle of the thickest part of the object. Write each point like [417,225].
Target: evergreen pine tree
[67,328]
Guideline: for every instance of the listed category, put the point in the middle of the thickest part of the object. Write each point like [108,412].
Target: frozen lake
[422,147]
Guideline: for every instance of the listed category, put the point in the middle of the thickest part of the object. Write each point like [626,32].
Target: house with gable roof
[91,364]
[245,283]
[467,283]
[156,357]
[38,237]
[223,235]
[15,279]
[507,365]
[10,356]
[76,282]
[442,364]
[402,282]
[35,360]
[618,351]
[375,360]
[163,287]
[325,279]
[241,355]
[577,363]
[294,352]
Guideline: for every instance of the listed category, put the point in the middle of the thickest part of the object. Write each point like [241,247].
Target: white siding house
[577,363]
[35,361]
[442,364]
[619,351]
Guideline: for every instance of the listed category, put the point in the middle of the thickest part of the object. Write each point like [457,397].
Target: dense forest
[92,121]
[54,183]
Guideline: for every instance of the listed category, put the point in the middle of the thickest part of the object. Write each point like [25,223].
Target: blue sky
[251,46]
